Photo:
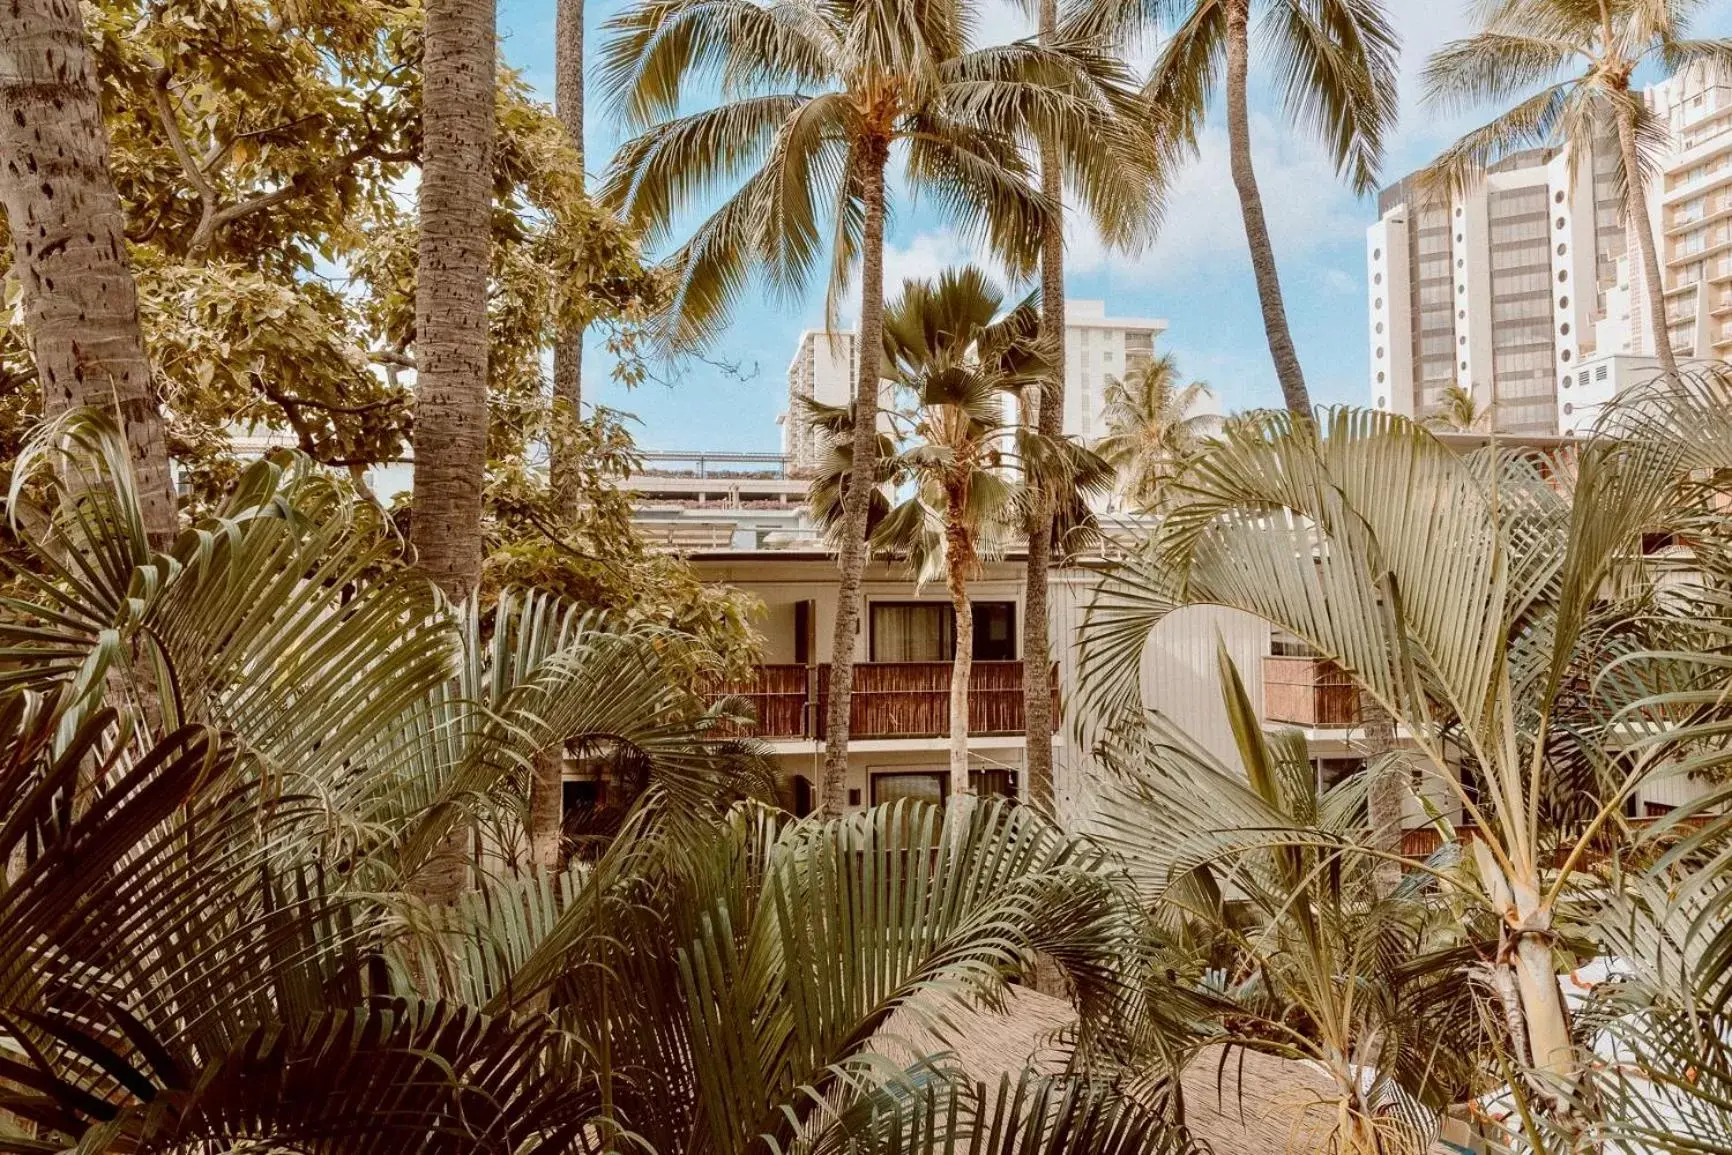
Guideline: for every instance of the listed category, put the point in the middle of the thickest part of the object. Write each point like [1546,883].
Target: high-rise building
[822,370]
[1530,289]
[1096,347]
[1691,206]
[1496,289]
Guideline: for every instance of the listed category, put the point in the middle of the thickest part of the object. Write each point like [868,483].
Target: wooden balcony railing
[1305,691]
[1424,841]
[890,700]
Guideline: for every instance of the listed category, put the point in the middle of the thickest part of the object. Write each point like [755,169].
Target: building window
[921,786]
[925,632]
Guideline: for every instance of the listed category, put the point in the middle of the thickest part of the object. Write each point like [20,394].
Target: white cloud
[1203,236]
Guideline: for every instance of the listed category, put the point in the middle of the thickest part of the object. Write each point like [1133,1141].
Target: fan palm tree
[1481,630]
[956,363]
[813,101]
[1153,428]
[953,358]
[1581,56]
[1335,64]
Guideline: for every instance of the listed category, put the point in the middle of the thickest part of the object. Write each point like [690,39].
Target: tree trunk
[546,809]
[1251,208]
[451,293]
[568,347]
[1049,420]
[857,500]
[958,559]
[69,242]
[451,337]
[1548,1025]
[1644,231]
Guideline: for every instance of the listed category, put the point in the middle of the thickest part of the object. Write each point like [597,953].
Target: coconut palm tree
[1335,65]
[1581,57]
[568,346]
[69,254]
[1153,428]
[1458,412]
[1482,630]
[813,102]
[452,265]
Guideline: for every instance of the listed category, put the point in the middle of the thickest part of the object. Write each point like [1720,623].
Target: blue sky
[1196,275]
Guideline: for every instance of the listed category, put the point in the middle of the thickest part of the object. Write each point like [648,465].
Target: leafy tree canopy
[265,154]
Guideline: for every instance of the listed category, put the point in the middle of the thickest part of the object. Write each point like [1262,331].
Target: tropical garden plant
[1496,632]
[1271,929]
[813,103]
[1568,67]
[226,766]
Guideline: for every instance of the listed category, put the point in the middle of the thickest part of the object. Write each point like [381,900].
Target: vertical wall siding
[1179,678]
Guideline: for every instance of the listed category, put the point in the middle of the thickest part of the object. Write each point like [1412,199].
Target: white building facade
[1529,288]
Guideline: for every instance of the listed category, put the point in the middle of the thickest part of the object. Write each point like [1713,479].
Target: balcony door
[926,631]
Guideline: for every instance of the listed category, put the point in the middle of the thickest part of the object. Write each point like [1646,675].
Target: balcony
[1308,691]
[890,700]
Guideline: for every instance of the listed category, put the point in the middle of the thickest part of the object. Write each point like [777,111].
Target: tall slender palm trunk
[959,559]
[1251,208]
[451,337]
[874,154]
[546,783]
[1049,420]
[1644,230]
[568,346]
[69,242]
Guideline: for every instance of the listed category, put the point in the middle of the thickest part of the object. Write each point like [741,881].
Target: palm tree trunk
[546,809]
[857,499]
[69,242]
[1251,208]
[1551,1049]
[1049,420]
[1644,231]
[451,337]
[958,557]
[568,347]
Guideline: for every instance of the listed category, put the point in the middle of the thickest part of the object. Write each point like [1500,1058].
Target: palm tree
[69,242]
[1481,630]
[568,346]
[1281,937]
[454,258]
[957,362]
[1153,428]
[1457,412]
[813,102]
[208,934]
[1584,56]
[1335,63]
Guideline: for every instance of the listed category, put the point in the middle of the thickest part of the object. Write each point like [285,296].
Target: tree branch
[170,118]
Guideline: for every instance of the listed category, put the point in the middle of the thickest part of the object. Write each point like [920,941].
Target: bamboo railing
[1307,691]
[890,699]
